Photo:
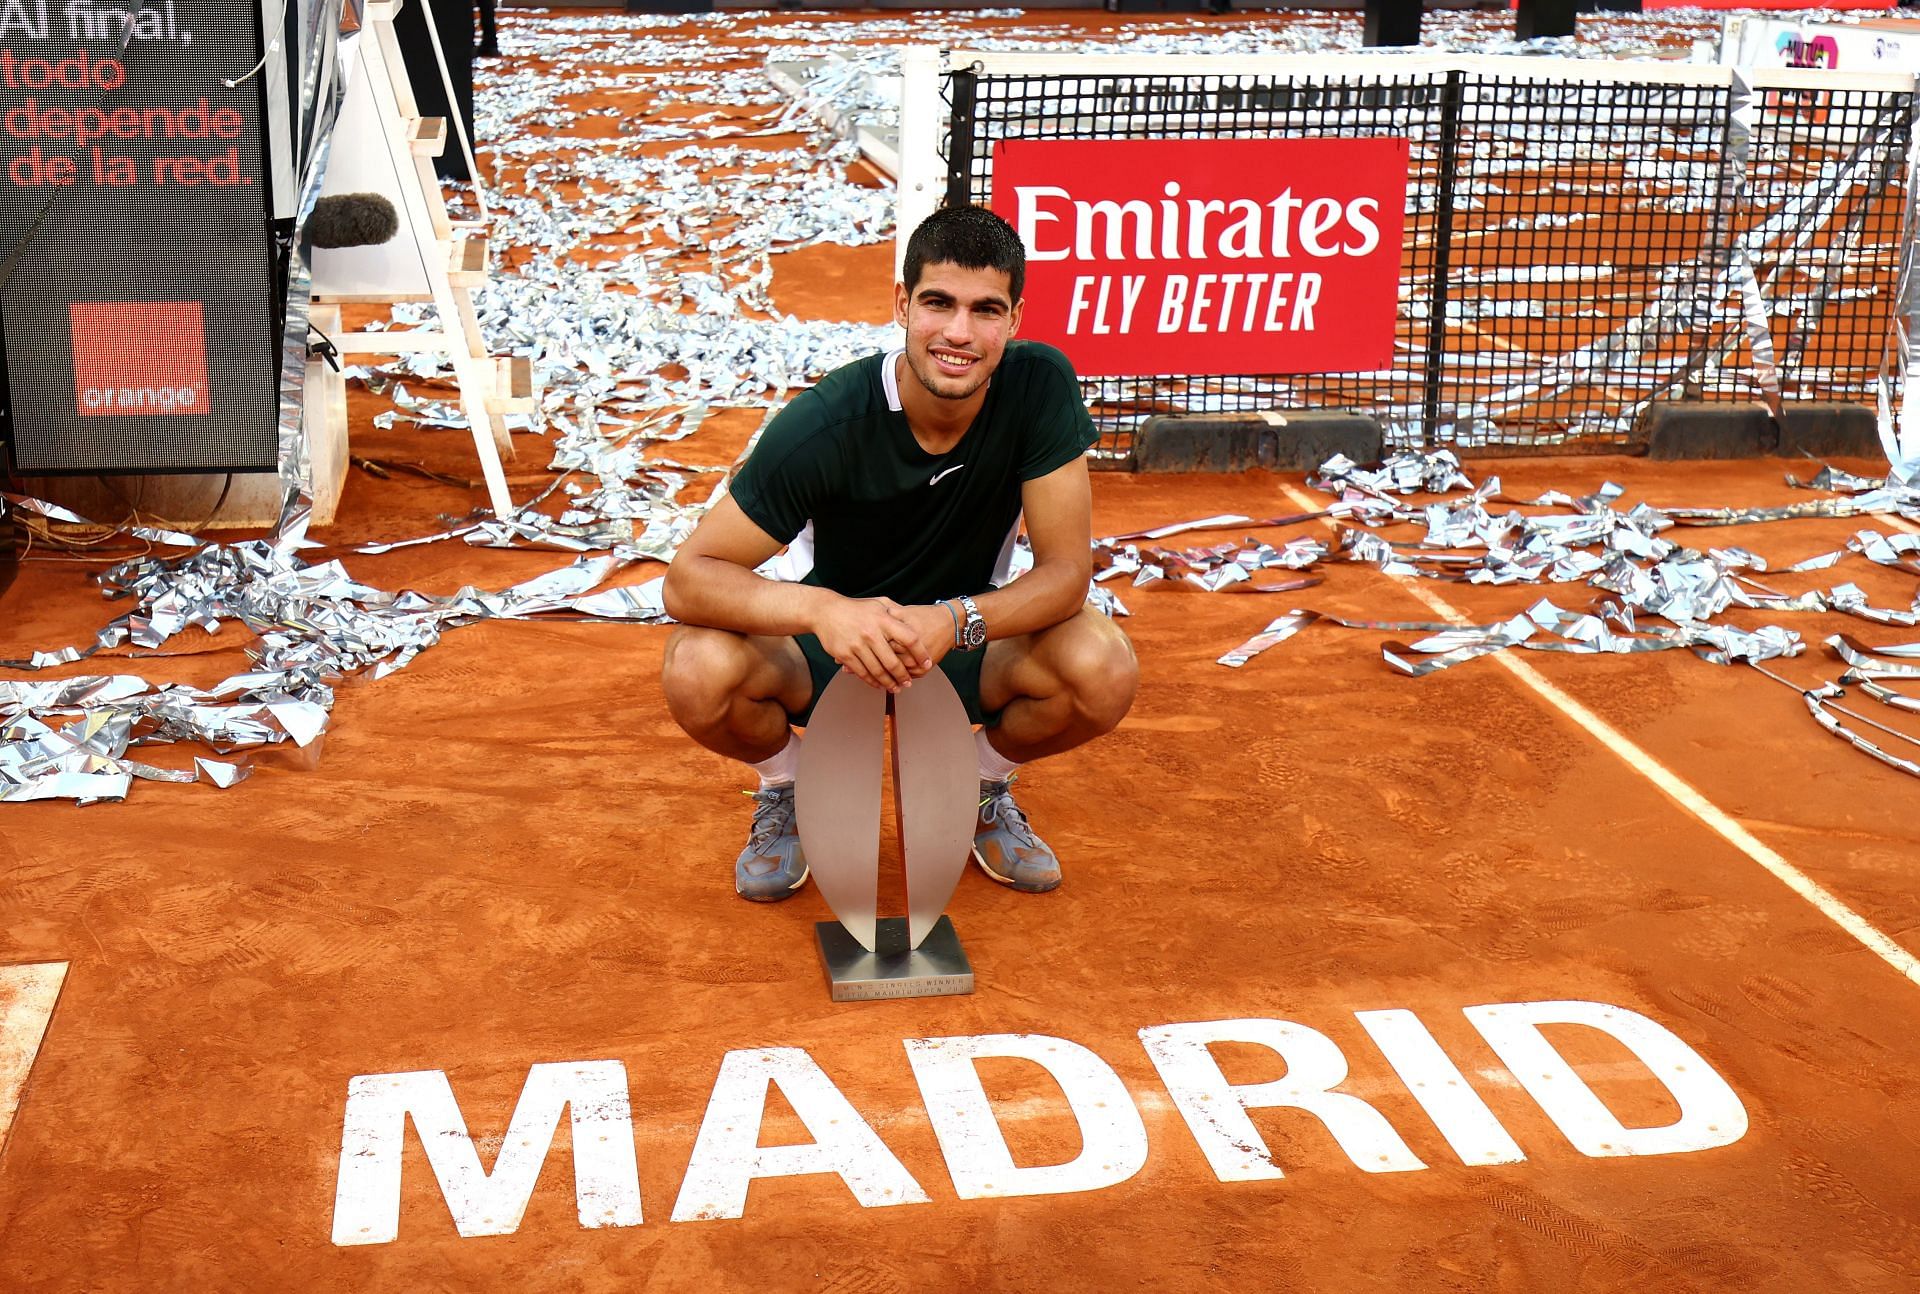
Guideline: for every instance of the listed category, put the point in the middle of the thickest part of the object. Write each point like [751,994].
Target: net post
[922,174]
[961,138]
[1449,150]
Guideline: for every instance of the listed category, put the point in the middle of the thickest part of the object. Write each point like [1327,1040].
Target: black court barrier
[1582,238]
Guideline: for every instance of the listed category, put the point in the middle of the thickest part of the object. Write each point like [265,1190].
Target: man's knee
[703,671]
[1096,665]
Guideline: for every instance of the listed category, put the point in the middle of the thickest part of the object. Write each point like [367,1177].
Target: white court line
[27,997]
[1678,790]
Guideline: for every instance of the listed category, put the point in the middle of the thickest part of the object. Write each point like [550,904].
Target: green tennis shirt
[839,478]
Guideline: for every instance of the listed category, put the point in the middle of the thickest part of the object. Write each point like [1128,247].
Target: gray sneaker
[771,867]
[1005,846]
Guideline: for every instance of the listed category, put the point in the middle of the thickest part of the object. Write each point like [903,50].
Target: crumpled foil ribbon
[314,625]
[1480,535]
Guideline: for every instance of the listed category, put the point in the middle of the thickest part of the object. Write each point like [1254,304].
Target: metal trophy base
[936,968]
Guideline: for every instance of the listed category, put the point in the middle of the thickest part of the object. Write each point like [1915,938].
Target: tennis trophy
[936,792]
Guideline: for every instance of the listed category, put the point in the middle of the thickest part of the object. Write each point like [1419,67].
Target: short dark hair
[972,238]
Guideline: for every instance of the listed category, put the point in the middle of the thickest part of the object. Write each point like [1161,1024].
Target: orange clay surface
[509,855]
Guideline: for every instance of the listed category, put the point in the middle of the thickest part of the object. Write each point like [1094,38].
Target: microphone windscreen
[352,220]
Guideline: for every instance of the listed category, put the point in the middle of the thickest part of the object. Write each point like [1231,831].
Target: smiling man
[897,486]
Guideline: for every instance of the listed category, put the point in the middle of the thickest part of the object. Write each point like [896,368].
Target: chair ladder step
[467,262]
[513,390]
[428,136]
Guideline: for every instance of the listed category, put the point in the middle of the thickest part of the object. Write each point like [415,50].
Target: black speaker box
[139,322]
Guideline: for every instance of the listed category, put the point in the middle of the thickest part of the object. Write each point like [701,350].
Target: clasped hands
[884,644]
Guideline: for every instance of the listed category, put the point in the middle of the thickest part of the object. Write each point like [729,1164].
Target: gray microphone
[352,220]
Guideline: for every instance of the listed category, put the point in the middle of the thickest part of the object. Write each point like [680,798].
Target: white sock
[994,767]
[780,769]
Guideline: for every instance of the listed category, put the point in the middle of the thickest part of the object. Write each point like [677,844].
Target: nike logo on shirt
[949,472]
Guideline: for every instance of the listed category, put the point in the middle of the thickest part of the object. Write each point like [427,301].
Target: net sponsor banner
[1209,256]
[1831,47]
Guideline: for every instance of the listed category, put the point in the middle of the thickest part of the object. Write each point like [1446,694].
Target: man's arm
[1059,517]
[1059,514]
[711,582]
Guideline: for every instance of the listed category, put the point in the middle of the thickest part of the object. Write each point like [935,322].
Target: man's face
[958,323]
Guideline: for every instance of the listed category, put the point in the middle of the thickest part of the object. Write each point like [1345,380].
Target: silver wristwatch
[972,634]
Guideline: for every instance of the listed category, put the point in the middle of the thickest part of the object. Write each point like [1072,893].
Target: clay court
[506,855]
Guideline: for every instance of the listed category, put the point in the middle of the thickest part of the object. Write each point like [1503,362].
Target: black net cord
[1449,165]
[965,133]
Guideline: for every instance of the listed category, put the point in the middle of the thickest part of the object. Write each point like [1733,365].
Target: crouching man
[899,483]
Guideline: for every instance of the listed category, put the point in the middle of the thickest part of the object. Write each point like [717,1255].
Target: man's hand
[874,639]
[932,635]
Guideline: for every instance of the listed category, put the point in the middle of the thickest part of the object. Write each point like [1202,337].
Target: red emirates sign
[1208,256]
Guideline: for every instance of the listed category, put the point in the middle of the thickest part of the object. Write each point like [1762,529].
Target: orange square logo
[139,359]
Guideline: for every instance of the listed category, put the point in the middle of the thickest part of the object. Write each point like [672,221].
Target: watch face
[976,634]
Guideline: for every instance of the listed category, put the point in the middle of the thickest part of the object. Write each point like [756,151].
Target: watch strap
[975,621]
